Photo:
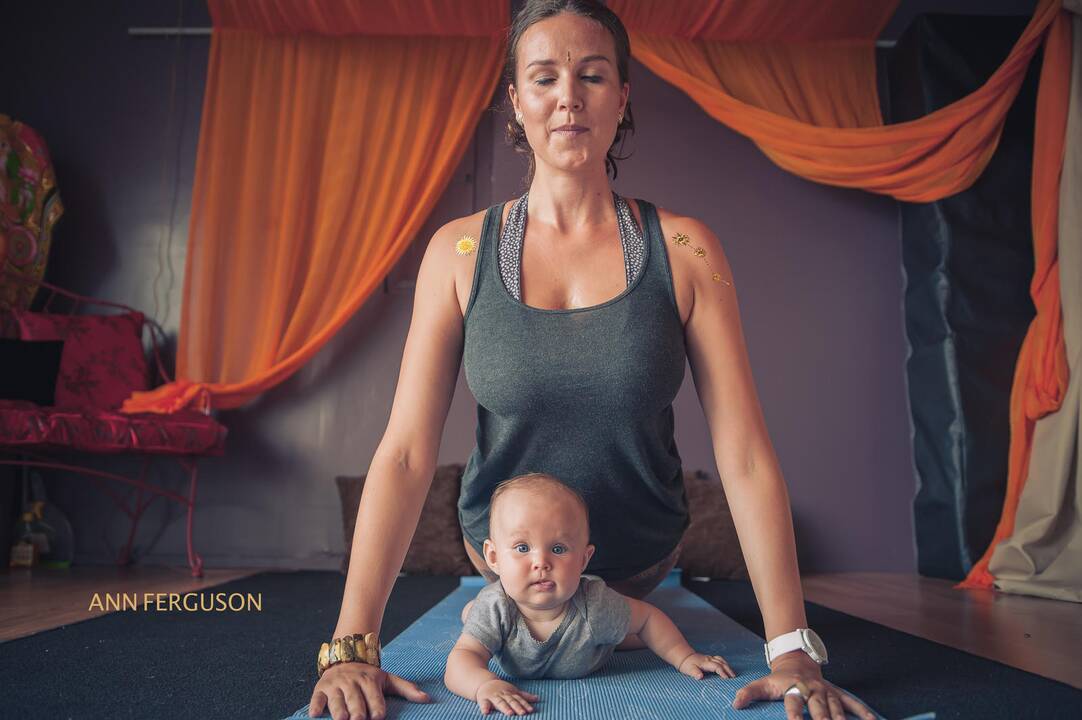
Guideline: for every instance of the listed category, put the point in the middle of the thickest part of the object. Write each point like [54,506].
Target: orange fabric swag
[809,61]
[918,161]
[773,21]
[319,160]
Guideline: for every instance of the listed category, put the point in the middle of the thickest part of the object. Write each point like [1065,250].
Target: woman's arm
[750,472]
[403,465]
[745,457]
[399,476]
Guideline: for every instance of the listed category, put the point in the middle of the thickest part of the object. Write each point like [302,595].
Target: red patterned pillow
[103,361]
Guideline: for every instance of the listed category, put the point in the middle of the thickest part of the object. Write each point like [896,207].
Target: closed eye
[588,78]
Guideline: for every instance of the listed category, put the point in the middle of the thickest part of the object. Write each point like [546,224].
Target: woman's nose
[570,95]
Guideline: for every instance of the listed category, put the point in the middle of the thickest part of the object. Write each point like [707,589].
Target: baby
[543,617]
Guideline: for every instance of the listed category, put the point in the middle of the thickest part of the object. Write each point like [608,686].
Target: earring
[518,118]
[619,118]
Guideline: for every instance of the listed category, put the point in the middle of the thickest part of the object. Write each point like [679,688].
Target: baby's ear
[488,550]
[587,555]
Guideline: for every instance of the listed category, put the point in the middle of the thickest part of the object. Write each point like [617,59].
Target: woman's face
[568,91]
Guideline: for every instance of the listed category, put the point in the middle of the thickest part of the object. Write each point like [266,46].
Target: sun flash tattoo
[684,241]
[465,245]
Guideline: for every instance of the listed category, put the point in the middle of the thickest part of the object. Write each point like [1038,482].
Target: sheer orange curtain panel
[918,161]
[320,157]
[1041,373]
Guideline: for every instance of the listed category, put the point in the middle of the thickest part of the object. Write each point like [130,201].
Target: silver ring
[794,690]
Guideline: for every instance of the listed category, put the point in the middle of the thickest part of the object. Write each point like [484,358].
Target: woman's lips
[570,132]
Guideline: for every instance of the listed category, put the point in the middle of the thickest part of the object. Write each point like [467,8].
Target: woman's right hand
[355,691]
[401,472]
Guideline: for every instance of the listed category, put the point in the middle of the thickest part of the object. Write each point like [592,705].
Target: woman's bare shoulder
[695,255]
[444,240]
[697,232]
[452,252]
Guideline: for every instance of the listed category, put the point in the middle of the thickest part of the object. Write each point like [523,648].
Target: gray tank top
[584,394]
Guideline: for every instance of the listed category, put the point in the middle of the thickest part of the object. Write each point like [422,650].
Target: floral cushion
[103,360]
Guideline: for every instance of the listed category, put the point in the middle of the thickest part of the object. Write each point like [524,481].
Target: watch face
[812,641]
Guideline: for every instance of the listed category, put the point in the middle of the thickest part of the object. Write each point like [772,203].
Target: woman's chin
[569,162]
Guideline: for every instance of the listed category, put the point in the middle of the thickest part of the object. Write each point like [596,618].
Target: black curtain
[968,262]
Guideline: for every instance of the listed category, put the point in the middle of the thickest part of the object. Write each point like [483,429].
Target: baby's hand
[504,697]
[696,664]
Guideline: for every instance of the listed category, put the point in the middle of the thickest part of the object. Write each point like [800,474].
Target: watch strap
[782,644]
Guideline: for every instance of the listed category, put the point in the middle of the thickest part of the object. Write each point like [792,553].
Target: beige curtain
[1043,556]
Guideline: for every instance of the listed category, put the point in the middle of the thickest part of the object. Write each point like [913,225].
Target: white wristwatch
[802,639]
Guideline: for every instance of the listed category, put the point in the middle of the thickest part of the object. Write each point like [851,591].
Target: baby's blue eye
[522,548]
[558,550]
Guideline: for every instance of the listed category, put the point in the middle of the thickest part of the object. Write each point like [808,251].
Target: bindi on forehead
[543,40]
[550,62]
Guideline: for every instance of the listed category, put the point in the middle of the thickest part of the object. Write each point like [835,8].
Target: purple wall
[818,271]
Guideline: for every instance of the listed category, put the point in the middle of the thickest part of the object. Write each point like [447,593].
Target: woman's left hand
[825,701]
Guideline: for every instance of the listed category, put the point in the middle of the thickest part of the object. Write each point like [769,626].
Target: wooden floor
[35,600]
[1033,634]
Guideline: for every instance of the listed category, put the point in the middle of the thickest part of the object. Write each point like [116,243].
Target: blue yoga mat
[633,685]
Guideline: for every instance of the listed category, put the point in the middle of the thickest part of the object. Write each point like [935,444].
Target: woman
[574,314]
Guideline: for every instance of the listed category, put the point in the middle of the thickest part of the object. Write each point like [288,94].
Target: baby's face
[539,546]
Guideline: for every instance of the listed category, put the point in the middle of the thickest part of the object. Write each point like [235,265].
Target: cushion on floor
[710,548]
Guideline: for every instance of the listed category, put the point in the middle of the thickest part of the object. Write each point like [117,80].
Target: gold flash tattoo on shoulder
[465,245]
[684,241]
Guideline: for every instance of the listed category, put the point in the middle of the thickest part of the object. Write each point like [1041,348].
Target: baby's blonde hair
[537,481]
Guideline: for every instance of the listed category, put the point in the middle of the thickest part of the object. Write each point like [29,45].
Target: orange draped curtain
[798,79]
[812,62]
[917,161]
[1041,375]
[329,132]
